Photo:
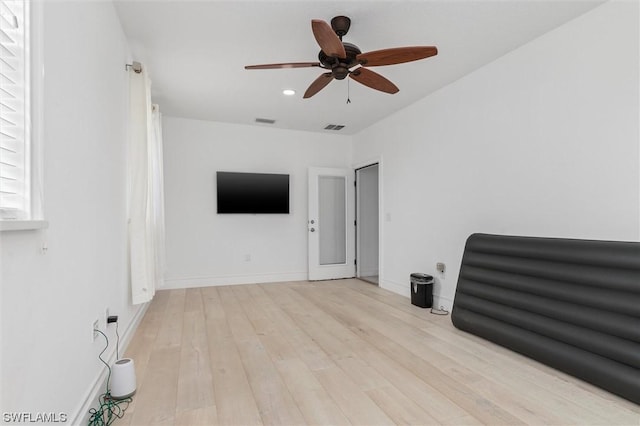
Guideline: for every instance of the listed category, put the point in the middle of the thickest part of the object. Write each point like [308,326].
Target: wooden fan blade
[328,40]
[396,55]
[287,65]
[373,80]
[318,84]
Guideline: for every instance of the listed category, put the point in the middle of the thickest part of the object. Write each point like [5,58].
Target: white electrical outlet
[96,326]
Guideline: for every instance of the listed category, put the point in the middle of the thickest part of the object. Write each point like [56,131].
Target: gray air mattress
[571,304]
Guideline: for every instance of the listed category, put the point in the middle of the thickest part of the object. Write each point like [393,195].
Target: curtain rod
[136,66]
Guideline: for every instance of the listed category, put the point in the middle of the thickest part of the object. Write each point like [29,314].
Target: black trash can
[421,290]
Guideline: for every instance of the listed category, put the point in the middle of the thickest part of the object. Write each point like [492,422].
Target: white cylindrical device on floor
[123,379]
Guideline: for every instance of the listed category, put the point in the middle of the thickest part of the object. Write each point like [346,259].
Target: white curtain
[146,200]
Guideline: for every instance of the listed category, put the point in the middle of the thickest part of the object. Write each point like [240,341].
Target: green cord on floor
[110,409]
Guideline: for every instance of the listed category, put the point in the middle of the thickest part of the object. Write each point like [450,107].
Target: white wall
[541,142]
[49,361]
[204,248]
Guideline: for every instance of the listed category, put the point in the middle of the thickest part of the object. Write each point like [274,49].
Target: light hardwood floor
[338,352]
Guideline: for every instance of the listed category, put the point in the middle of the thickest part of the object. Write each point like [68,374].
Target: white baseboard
[81,414]
[396,287]
[219,280]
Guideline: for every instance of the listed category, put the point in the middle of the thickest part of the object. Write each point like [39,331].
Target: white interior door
[331,226]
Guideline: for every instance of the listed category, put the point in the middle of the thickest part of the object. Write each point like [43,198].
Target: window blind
[14,108]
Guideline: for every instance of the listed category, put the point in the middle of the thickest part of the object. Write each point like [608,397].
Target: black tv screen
[255,193]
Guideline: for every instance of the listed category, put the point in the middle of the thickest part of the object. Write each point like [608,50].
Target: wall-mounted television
[255,193]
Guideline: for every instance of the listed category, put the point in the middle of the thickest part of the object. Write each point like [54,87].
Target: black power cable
[440,311]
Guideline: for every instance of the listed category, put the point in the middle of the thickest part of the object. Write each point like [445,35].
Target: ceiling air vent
[334,127]
[265,120]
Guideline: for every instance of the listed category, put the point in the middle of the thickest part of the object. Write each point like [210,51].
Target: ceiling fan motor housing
[340,66]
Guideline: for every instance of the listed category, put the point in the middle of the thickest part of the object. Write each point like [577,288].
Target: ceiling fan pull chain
[348,94]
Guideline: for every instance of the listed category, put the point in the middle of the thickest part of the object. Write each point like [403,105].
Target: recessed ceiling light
[289,92]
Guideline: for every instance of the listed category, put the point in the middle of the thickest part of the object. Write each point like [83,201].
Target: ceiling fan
[340,58]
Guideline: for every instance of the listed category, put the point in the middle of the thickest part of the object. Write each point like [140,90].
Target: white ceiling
[196,51]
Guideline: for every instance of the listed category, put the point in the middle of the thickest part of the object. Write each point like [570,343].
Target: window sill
[23,225]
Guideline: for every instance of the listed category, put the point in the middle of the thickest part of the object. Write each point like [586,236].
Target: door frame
[374,160]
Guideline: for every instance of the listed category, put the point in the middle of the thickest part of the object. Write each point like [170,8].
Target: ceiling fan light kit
[343,59]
